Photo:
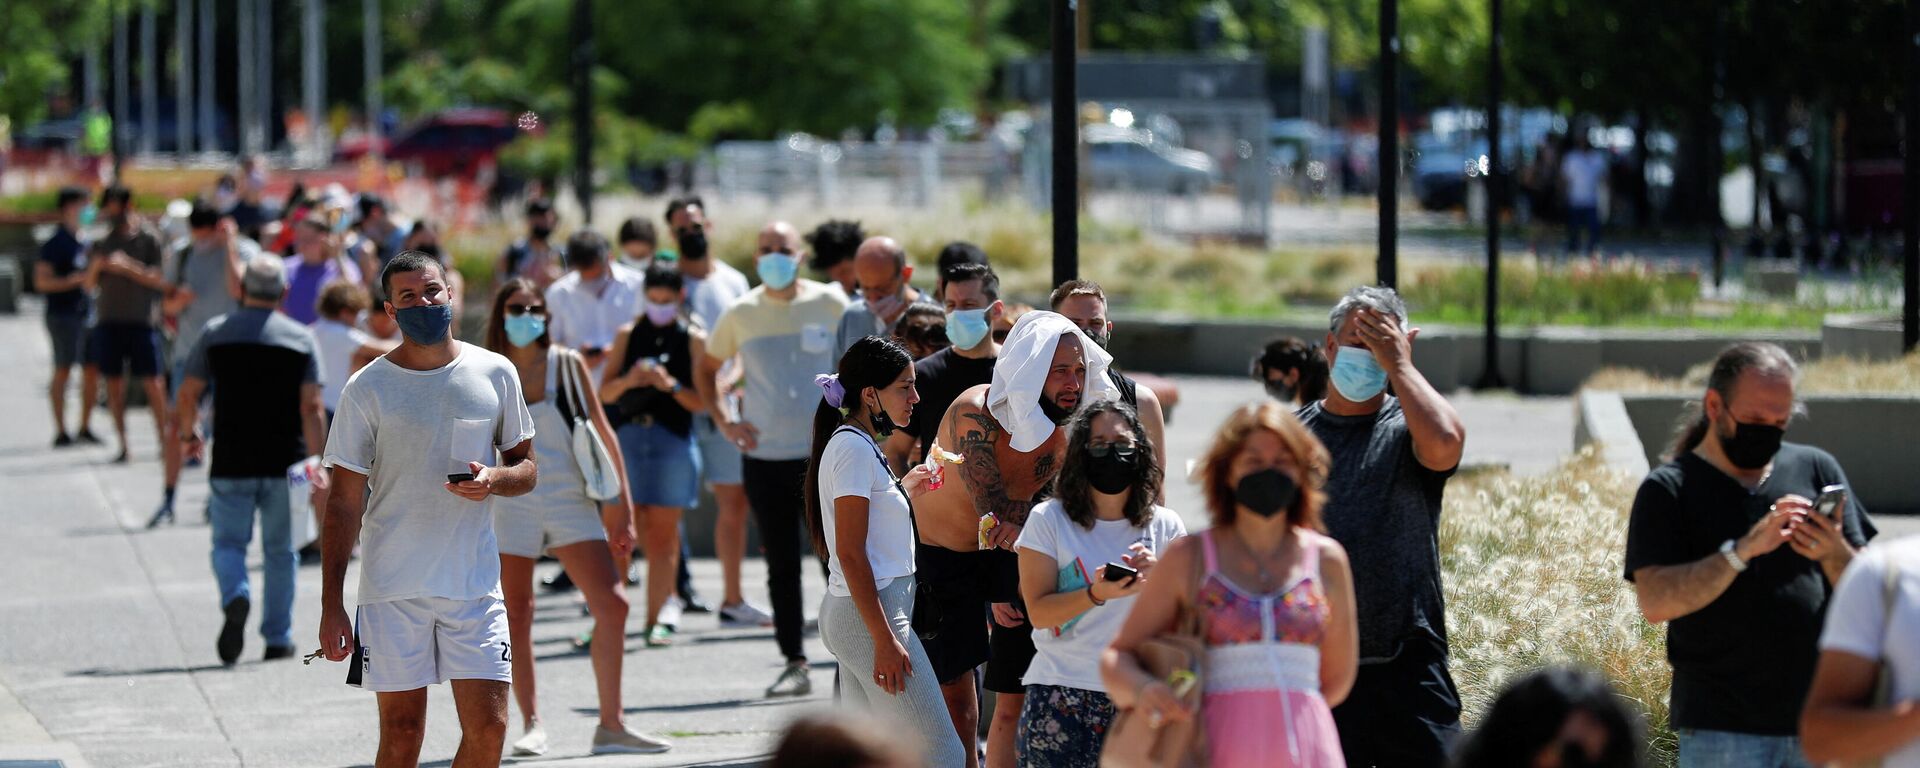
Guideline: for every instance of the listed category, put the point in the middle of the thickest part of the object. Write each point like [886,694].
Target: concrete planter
[1861,337]
[1871,435]
[1778,282]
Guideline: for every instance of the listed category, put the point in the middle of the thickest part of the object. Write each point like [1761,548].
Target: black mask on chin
[1054,412]
[1266,493]
[882,423]
[1751,446]
[1281,391]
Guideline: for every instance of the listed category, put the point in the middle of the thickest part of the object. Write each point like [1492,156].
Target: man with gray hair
[1392,456]
[264,370]
[880,266]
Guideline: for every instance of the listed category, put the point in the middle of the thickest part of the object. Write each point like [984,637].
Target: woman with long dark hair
[861,518]
[1073,550]
[559,518]
[1556,717]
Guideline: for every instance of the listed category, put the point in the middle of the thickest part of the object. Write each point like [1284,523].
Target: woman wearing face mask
[1275,597]
[557,517]
[1101,520]
[651,382]
[1292,371]
[862,525]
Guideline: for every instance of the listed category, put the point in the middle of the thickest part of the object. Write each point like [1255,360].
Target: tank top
[670,347]
[560,480]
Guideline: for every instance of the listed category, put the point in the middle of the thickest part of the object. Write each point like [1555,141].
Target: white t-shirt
[1857,622]
[709,297]
[337,344]
[1070,656]
[1584,169]
[581,317]
[851,466]
[406,431]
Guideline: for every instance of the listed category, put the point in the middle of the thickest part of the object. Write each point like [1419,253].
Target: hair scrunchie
[831,389]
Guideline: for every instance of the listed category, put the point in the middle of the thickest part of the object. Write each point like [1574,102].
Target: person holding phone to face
[1084,555]
[429,604]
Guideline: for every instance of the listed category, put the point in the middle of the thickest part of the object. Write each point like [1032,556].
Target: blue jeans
[231,505]
[1725,749]
[1584,219]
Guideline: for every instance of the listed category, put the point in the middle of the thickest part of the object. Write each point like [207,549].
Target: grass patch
[1532,577]
[1825,376]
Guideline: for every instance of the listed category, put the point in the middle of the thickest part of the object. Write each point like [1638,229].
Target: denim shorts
[663,469]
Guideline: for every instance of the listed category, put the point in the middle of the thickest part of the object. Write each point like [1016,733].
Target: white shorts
[411,644]
[531,532]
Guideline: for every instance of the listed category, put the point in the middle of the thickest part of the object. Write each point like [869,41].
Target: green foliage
[37,40]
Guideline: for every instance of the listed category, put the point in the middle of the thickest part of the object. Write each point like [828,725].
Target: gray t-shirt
[783,344]
[203,270]
[122,300]
[406,430]
[1383,506]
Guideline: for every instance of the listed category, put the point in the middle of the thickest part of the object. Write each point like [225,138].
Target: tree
[38,44]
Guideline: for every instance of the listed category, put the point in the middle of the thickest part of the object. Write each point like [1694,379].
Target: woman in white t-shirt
[862,525]
[344,348]
[1873,627]
[1075,554]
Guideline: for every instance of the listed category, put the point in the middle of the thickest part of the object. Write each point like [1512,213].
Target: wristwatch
[1727,551]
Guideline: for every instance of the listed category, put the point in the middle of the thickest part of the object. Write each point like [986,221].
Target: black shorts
[116,347]
[949,611]
[1012,647]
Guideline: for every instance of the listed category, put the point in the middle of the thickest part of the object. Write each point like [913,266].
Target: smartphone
[459,477]
[1118,572]
[1832,502]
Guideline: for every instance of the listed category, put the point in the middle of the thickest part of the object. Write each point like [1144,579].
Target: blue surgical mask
[778,270]
[88,215]
[525,329]
[1357,375]
[967,327]
[425,325]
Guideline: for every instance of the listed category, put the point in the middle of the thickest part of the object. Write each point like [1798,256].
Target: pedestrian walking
[1084,555]
[592,300]
[1392,457]
[62,276]
[590,539]
[533,257]
[861,519]
[425,438]
[263,370]
[1275,597]
[648,382]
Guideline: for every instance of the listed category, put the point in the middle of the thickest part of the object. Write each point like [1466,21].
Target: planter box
[1862,337]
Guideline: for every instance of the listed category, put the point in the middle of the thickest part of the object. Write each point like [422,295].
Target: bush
[1532,293]
[1531,572]
[1824,376]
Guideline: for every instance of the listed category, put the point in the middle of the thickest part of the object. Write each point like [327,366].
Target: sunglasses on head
[516,310]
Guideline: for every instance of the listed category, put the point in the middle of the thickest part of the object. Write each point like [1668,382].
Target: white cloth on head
[1020,375]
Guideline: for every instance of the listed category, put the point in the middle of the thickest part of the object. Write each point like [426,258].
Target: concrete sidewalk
[107,632]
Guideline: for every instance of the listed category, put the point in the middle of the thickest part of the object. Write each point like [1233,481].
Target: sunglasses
[516,310]
[1101,450]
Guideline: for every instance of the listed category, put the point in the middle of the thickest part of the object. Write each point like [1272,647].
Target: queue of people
[984,494]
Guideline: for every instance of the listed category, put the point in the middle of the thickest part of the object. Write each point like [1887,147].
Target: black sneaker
[310,554]
[233,634]
[62,440]
[122,458]
[692,603]
[275,652]
[162,515]
[87,436]
[559,582]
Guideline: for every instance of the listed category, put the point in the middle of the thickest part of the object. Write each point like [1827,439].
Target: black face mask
[1280,390]
[1099,337]
[693,246]
[542,231]
[1751,446]
[882,423]
[1113,473]
[1055,413]
[1266,493]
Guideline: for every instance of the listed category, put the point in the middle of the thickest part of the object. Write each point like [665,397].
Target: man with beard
[1009,442]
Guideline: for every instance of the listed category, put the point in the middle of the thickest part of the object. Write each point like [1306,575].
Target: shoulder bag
[596,462]
[1177,658]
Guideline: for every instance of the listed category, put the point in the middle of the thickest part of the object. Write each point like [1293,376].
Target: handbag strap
[1193,622]
[570,390]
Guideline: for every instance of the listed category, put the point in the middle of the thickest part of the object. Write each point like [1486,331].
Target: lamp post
[1066,142]
[1389,159]
[1495,181]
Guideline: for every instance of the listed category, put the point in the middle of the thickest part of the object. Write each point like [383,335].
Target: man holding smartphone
[1725,544]
[429,601]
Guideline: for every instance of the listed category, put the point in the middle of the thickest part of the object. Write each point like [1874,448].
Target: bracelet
[1096,601]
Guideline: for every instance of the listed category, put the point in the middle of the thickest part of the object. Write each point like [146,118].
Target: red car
[455,142]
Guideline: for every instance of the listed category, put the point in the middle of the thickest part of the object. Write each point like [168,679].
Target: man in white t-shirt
[589,303]
[1583,175]
[419,428]
[1873,623]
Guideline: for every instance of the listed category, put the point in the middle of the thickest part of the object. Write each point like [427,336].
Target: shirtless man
[1008,437]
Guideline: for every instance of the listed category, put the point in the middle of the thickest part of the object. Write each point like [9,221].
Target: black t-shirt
[64,253]
[940,378]
[1744,662]
[256,361]
[669,347]
[1383,506]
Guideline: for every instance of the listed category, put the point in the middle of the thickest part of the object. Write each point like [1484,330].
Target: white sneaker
[670,613]
[793,681]
[534,744]
[744,614]
[627,741]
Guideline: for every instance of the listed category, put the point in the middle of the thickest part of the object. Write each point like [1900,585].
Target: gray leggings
[920,705]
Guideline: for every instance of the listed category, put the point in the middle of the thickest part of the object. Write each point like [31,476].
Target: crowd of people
[982,486]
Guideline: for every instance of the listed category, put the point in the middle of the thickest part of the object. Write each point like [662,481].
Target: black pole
[583,106]
[1066,143]
[1389,161]
[1495,184]
[1910,210]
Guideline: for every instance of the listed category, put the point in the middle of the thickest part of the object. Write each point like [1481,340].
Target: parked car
[1122,158]
[454,142]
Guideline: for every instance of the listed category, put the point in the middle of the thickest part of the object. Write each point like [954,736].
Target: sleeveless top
[1267,643]
[671,348]
[561,483]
